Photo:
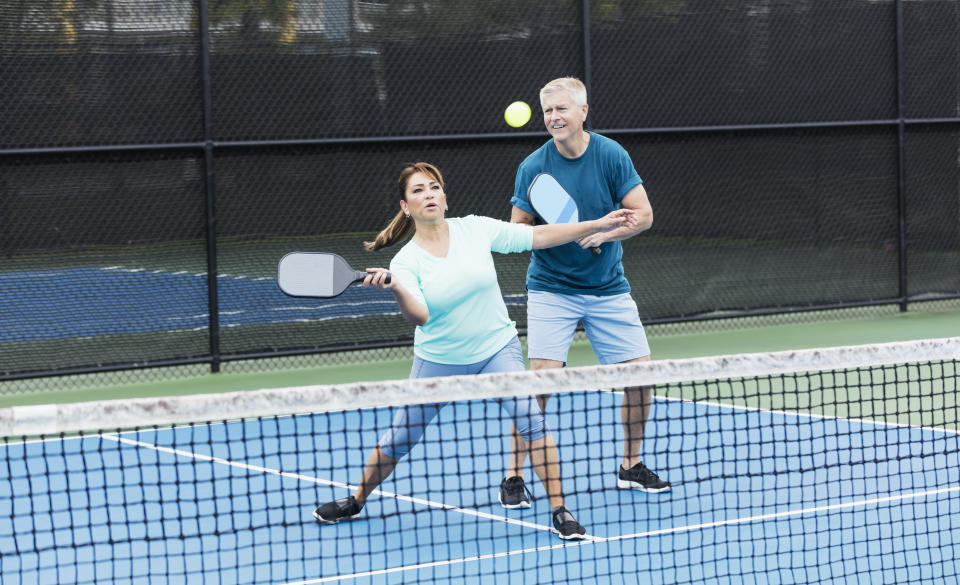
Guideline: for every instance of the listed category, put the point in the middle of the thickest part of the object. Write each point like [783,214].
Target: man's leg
[617,336]
[633,415]
[633,474]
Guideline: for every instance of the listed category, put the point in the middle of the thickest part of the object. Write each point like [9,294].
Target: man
[568,284]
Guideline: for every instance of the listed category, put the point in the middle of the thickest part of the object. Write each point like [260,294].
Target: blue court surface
[759,496]
[80,302]
[77,302]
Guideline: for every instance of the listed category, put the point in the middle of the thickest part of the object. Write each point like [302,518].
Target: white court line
[334,304]
[438,563]
[777,515]
[635,536]
[181,272]
[332,318]
[787,413]
[317,480]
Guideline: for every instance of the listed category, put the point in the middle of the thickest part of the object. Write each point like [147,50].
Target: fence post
[212,292]
[901,166]
[587,72]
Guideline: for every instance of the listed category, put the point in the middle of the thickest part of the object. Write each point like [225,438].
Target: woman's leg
[404,433]
[379,467]
[529,425]
[407,429]
[537,443]
[551,324]
[518,447]
[408,426]
[546,464]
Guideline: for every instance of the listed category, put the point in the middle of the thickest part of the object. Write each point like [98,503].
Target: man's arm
[635,199]
[520,216]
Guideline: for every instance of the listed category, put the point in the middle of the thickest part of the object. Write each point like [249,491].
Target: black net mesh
[403,69]
[83,73]
[932,175]
[726,62]
[770,219]
[931,76]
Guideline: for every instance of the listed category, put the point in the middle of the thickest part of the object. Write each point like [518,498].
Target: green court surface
[731,336]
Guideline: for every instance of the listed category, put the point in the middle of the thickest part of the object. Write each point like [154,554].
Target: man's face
[562,117]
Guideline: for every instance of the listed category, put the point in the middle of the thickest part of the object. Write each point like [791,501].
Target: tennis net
[832,465]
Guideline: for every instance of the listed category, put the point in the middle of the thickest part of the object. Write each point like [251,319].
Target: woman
[444,282]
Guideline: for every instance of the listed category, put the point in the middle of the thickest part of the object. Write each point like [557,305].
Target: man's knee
[542,364]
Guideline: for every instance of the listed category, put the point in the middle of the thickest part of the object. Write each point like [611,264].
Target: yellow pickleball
[517,114]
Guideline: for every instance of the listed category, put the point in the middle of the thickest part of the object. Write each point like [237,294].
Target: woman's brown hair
[401,226]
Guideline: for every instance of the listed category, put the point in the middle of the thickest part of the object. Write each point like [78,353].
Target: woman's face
[424,198]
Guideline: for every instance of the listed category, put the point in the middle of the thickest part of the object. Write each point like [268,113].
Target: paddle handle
[358,276]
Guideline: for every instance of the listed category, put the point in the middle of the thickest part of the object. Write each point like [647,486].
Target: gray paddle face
[315,274]
[551,200]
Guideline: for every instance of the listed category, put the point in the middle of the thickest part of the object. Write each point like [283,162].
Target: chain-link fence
[157,158]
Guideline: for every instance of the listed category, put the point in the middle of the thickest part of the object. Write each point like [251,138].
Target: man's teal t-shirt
[468,320]
[597,181]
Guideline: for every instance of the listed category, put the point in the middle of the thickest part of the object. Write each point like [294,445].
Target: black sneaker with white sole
[639,477]
[566,525]
[514,493]
[342,509]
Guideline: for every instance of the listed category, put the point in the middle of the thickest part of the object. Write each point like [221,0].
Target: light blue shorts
[410,422]
[612,324]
